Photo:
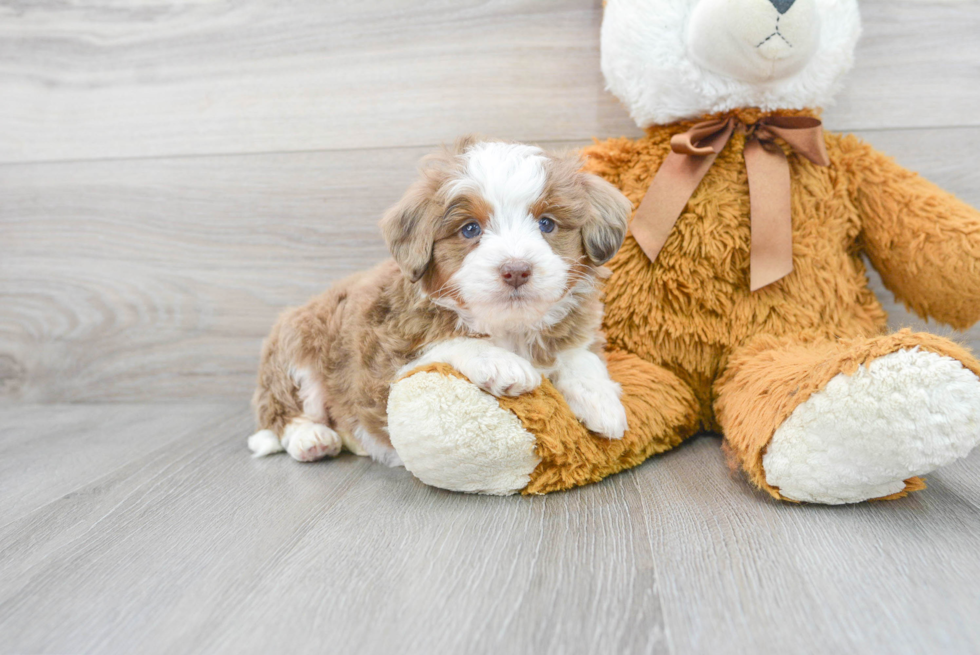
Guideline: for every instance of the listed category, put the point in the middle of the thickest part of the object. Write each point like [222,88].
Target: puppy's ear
[609,213]
[409,228]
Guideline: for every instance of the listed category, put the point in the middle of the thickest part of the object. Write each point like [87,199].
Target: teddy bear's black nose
[782,6]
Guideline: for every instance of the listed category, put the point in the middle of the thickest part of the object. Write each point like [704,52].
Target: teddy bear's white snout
[754,41]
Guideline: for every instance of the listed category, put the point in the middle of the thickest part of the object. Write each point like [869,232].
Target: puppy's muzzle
[515,273]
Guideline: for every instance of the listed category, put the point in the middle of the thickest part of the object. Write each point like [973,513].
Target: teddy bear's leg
[845,421]
[452,435]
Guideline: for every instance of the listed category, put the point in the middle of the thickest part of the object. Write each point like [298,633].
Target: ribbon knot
[692,154]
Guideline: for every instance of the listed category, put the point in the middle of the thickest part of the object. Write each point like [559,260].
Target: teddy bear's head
[674,59]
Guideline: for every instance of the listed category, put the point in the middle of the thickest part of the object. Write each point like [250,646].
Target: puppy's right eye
[471,230]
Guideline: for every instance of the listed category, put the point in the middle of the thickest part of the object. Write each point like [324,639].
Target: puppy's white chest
[519,344]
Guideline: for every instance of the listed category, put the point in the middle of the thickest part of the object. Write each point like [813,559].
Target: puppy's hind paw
[264,442]
[307,441]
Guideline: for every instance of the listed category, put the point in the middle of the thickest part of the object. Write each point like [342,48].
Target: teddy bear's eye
[547,224]
[471,230]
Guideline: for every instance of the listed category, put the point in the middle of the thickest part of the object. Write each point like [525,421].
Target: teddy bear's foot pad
[903,415]
[451,435]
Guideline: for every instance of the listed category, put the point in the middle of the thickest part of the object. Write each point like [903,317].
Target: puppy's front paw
[502,373]
[596,404]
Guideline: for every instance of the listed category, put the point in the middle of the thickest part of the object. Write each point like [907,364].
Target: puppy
[497,249]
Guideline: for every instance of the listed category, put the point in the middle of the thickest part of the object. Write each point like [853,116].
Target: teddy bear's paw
[452,435]
[597,405]
[307,441]
[903,415]
[501,373]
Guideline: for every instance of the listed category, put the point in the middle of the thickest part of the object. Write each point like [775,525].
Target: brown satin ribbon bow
[693,153]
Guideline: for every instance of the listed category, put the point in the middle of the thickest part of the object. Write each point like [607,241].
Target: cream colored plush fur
[670,59]
[459,438]
[902,415]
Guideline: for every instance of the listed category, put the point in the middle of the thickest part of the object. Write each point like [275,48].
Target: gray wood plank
[195,547]
[199,548]
[52,450]
[158,278]
[904,78]
[178,78]
[93,81]
[740,573]
[154,280]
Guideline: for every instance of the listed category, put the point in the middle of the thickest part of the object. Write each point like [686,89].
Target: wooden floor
[144,528]
[173,174]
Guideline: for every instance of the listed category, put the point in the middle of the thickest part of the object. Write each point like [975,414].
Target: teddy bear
[739,302]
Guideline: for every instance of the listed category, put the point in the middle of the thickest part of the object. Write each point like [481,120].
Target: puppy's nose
[515,273]
[782,6]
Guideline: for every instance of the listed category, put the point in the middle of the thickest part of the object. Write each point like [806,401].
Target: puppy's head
[504,232]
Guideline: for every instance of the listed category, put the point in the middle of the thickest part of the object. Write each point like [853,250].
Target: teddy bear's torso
[692,308]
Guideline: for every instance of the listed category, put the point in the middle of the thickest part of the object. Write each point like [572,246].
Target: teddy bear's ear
[604,230]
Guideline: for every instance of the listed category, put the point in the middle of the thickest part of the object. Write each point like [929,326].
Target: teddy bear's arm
[923,241]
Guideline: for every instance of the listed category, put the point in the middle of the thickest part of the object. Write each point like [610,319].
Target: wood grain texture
[193,547]
[159,278]
[197,548]
[156,280]
[174,174]
[204,77]
[742,574]
[47,451]
[93,81]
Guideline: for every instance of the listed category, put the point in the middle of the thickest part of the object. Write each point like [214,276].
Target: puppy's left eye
[546,224]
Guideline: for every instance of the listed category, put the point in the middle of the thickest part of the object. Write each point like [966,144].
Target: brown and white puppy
[497,271]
